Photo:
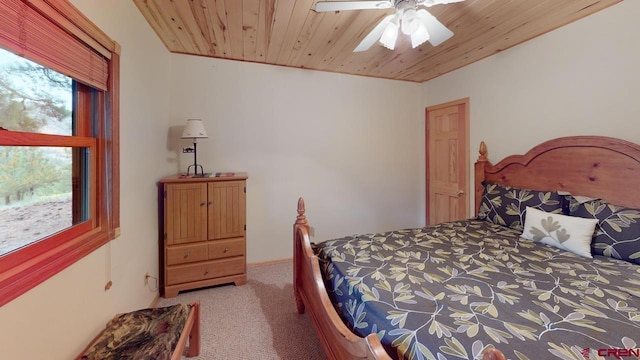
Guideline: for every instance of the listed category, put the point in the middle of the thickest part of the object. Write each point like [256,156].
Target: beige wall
[56,319]
[581,79]
[351,146]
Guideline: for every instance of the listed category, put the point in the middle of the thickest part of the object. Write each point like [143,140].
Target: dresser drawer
[206,270]
[226,248]
[184,254]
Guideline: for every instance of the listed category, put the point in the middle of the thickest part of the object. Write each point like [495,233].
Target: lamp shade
[194,129]
[390,34]
[419,36]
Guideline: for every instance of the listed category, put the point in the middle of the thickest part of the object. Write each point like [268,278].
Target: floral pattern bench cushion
[143,334]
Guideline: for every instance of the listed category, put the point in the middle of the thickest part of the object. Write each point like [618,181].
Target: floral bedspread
[451,290]
[147,334]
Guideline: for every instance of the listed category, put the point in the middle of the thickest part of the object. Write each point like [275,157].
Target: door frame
[465,102]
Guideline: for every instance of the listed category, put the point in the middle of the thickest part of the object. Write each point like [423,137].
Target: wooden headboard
[594,166]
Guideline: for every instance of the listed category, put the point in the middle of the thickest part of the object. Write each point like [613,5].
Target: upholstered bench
[154,333]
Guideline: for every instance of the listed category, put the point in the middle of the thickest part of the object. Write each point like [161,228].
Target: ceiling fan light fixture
[419,37]
[409,17]
[438,33]
[390,35]
[410,21]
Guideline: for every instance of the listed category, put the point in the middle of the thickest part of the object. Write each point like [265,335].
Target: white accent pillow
[568,233]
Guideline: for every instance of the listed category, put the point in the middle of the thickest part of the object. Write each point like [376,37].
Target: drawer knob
[225,250]
[203,204]
[186,255]
[206,271]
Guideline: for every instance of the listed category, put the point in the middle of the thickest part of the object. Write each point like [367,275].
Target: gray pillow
[617,232]
[506,205]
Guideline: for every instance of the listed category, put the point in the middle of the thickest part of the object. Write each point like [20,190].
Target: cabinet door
[226,209]
[185,213]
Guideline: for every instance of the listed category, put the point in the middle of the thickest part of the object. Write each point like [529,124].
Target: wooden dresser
[202,232]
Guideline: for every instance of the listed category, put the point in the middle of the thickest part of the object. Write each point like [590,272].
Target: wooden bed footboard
[337,340]
[310,293]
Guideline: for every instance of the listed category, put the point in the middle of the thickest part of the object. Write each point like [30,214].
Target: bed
[478,289]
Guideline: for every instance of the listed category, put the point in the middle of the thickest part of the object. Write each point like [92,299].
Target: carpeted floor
[253,321]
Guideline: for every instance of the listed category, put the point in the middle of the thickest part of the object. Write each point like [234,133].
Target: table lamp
[194,129]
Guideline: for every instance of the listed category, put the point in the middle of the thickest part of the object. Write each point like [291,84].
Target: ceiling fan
[409,18]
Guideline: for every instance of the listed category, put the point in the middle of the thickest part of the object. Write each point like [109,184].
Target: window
[41,191]
[59,154]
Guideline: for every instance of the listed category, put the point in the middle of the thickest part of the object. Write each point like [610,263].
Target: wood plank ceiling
[290,33]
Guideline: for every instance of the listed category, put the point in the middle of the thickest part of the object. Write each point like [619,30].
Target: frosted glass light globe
[410,22]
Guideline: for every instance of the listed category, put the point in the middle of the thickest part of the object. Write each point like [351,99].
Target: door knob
[460,192]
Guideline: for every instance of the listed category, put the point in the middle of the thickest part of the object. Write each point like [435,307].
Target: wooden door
[227,209]
[447,155]
[185,213]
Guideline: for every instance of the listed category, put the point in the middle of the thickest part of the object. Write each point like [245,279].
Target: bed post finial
[493,354]
[479,174]
[300,243]
[301,219]
[482,151]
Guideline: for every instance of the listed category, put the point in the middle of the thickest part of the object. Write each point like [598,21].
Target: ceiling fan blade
[429,3]
[438,33]
[323,6]
[447,1]
[374,35]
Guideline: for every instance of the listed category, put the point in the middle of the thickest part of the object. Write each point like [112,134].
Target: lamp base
[195,170]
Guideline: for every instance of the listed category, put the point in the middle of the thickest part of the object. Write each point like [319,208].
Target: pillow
[617,232]
[505,205]
[573,201]
[568,233]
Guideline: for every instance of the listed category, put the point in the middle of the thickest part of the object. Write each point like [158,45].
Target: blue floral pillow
[507,206]
[617,232]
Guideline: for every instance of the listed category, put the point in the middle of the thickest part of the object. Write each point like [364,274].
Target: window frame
[25,268]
